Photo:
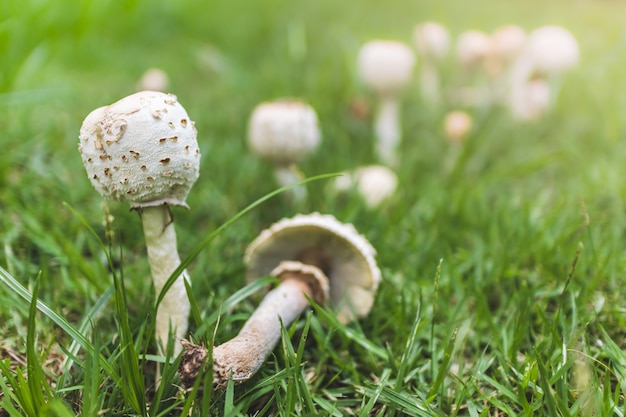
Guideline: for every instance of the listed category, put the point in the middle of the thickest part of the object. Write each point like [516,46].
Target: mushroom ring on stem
[315,257]
[143,150]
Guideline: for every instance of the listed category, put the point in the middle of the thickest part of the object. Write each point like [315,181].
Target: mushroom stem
[243,355]
[160,235]
[286,175]
[387,128]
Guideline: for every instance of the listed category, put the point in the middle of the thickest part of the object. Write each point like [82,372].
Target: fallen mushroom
[143,150]
[387,68]
[432,42]
[314,256]
[283,132]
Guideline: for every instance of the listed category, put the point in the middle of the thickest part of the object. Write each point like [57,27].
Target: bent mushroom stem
[160,235]
[387,127]
[242,356]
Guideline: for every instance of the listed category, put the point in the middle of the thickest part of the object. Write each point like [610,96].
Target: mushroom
[508,43]
[472,50]
[549,52]
[283,132]
[386,67]
[456,126]
[432,42]
[143,150]
[154,79]
[315,256]
[374,183]
[533,100]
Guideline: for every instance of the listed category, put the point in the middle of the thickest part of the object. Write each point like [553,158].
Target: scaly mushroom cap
[386,66]
[431,40]
[141,149]
[553,49]
[375,183]
[345,256]
[283,131]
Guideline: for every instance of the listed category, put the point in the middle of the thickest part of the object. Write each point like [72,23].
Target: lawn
[503,277]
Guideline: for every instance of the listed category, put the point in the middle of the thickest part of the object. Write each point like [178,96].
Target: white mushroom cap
[508,42]
[283,131]
[472,47]
[431,40]
[351,268]
[456,125]
[154,79]
[552,49]
[375,183]
[386,66]
[141,149]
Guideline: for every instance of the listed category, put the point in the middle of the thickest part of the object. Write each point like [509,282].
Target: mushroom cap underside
[353,273]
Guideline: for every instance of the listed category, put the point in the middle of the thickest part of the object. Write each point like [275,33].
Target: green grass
[503,279]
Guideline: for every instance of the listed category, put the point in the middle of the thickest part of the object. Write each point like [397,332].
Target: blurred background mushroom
[386,67]
[432,41]
[283,132]
[154,79]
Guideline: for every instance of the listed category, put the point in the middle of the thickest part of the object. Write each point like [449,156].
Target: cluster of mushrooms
[143,150]
[508,68]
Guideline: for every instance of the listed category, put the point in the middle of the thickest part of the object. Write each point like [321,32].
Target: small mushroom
[550,51]
[313,255]
[387,68]
[432,42]
[154,79]
[284,132]
[456,125]
[472,50]
[374,183]
[143,150]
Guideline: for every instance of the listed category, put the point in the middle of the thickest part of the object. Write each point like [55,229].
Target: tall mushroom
[143,150]
[432,42]
[313,255]
[387,68]
[549,52]
[283,132]
[472,49]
